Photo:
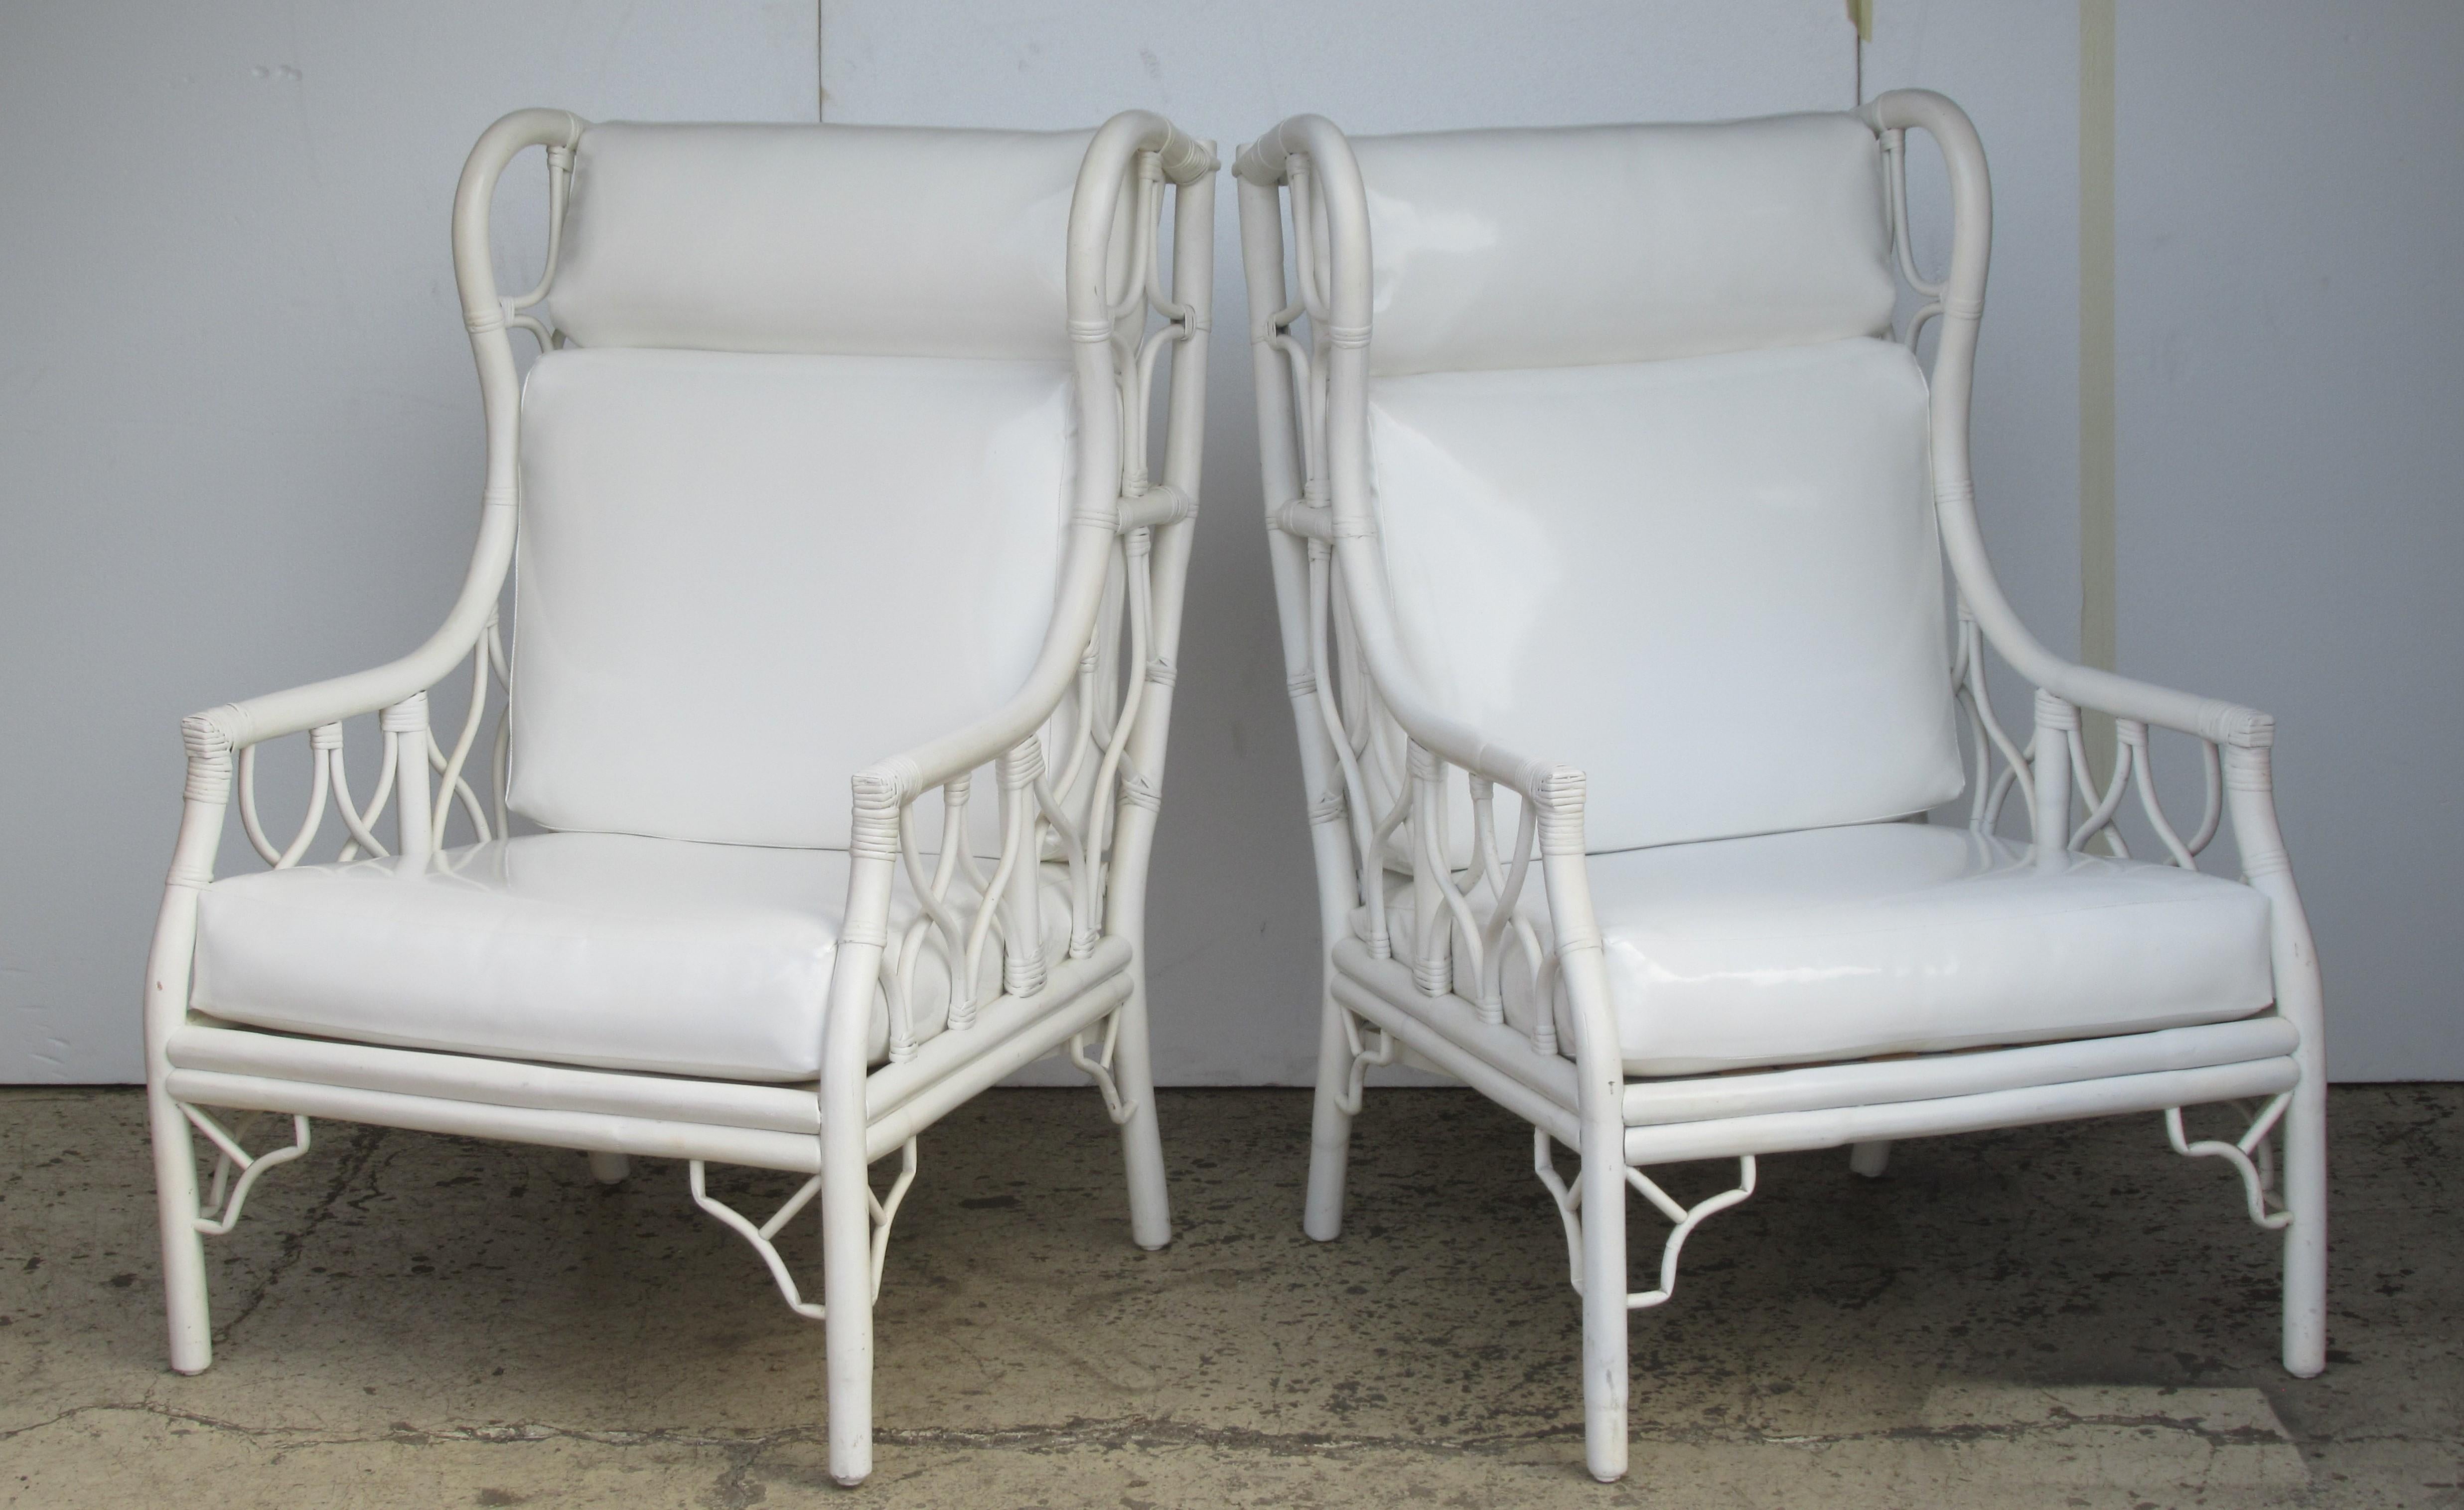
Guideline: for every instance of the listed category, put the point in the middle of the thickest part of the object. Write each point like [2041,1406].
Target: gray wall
[239,430]
[2291,455]
[239,447]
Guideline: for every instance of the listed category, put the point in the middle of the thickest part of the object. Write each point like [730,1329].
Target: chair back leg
[1869,1159]
[610,1169]
[1330,1128]
[1142,1133]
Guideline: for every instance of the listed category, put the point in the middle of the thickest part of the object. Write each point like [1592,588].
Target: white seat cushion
[1896,938]
[574,949]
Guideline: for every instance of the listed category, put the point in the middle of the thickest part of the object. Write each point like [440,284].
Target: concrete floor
[2060,1316]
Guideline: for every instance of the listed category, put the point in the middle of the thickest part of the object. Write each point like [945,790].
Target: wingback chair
[1609,523]
[829,489]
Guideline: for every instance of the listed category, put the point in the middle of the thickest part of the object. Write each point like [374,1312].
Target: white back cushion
[1624,243]
[742,578]
[1713,582]
[885,241]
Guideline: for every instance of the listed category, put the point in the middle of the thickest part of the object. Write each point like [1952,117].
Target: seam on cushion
[743,1075]
[2065,1034]
[544,928]
[1996,921]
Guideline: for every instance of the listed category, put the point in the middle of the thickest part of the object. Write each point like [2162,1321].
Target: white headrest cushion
[858,241]
[1623,243]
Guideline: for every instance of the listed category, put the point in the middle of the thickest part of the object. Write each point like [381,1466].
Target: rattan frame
[1349,673]
[1123,573]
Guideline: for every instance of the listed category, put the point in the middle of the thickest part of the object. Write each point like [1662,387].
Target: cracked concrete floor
[2060,1316]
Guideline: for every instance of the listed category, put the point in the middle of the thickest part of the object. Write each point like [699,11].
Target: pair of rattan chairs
[1608,516]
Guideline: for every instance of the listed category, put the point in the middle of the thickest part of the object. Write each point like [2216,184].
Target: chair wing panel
[858,239]
[741,578]
[1713,584]
[1626,243]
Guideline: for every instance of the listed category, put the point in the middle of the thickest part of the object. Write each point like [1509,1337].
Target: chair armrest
[1097,520]
[272,715]
[901,778]
[2211,719]
[1961,301]
[276,714]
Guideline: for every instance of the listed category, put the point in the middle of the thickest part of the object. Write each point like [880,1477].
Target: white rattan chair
[824,458]
[1599,492]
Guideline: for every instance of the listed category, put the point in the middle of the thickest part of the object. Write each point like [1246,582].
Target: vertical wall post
[2099,610]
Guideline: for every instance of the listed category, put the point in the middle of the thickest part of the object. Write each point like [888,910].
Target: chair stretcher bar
[617,1111]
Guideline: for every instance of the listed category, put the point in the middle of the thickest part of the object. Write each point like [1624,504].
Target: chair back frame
[1123,569]
[1377,756]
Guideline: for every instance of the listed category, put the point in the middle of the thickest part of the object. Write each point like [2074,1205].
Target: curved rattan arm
[1333,465]
[1962,310]
[1351,521]
[1099,512]
[276,714]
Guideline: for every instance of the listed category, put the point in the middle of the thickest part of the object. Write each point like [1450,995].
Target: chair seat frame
[1123,567]
[1376,756]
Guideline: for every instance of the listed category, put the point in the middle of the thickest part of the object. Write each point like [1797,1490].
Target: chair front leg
[167,968]
[847,1191]
[1599,1063]
[1604,1299]
[177,1209]
[2305,1239]
[846,1289]
[2250,792]
[184,1301]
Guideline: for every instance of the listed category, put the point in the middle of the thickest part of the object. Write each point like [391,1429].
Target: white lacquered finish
[822,458]
[1610,520]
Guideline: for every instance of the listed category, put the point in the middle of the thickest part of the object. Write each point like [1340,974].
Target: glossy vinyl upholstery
[573,948]
[882,240]
[742,578]
[1712,583]
[1623,243]
[1896,938]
